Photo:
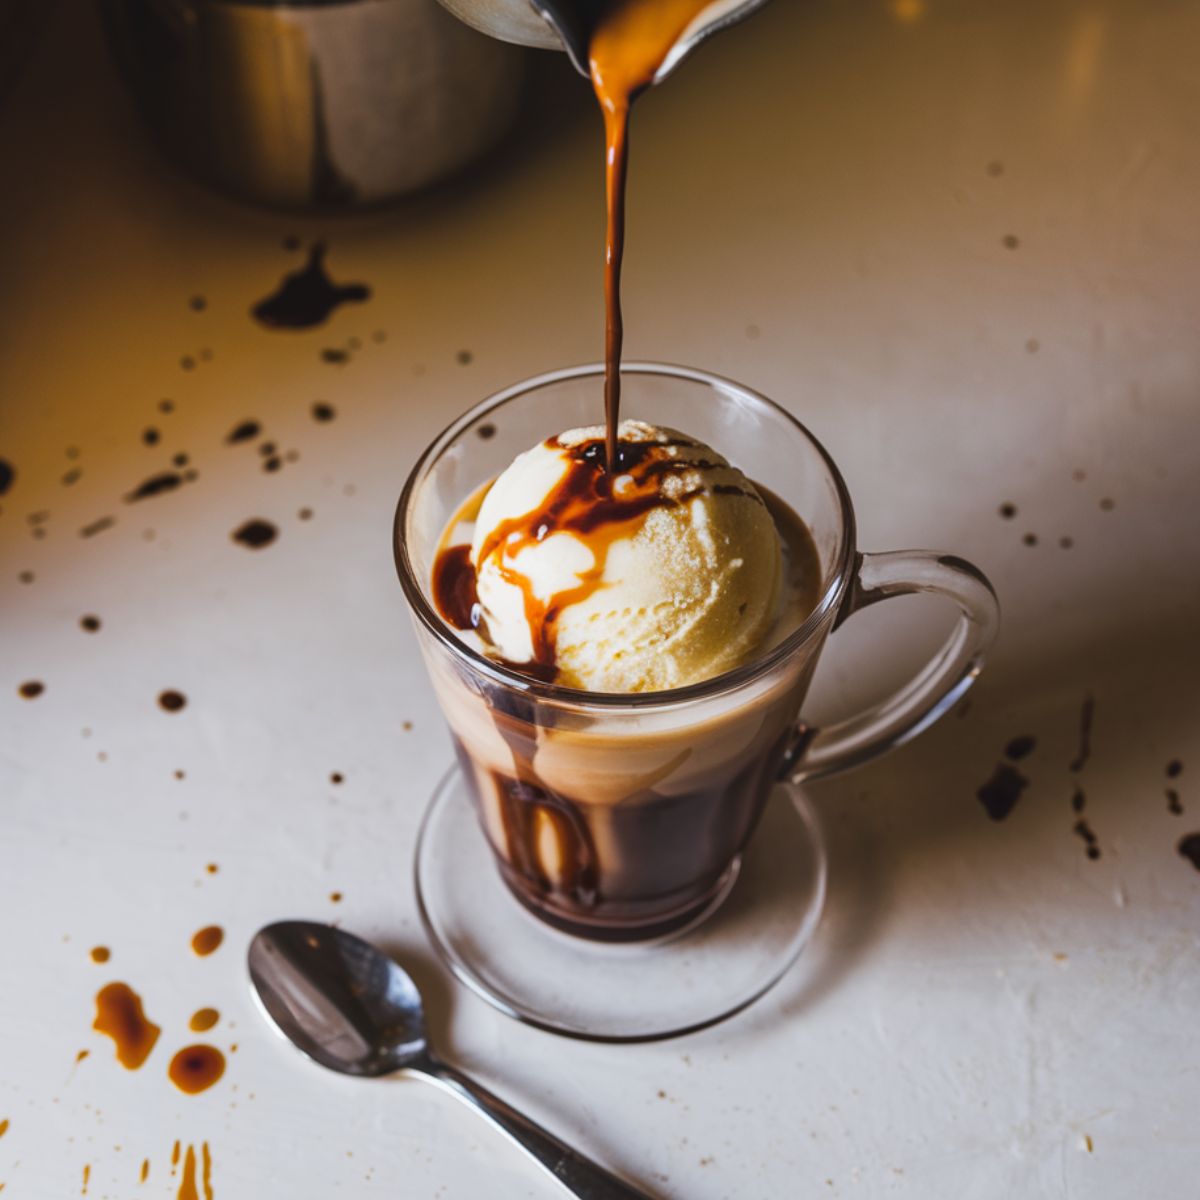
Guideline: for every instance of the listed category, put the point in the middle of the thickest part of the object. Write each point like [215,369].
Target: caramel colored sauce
[196,1068]
[203,1019]
[585,502]
[119,1015]
[78,1058]
[629,44]
[145,1170]
[3,1127]
[175,1150]
[206,940]
[100,954]
[87,1175]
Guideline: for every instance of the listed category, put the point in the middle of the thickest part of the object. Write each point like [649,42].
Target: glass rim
[555,693]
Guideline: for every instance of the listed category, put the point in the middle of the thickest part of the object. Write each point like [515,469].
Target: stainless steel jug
[567,24]
[314,104]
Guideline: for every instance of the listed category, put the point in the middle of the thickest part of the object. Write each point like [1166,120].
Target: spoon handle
[578,1174]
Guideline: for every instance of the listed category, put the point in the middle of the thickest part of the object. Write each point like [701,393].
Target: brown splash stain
[196,1068]
[203,1019]
[171,700]
[212,868]
[87,1174]
[100,954]
[3,1127]
[206,940]
[255,533]
[82,1055]
[175,1157]
[1086,717]
[1001,792]
[31,689]
[145,1170]
[187,1185]
[119,1015]
[1189,847]
[335,897]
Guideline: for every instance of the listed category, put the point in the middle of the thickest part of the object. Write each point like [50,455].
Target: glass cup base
[732,953]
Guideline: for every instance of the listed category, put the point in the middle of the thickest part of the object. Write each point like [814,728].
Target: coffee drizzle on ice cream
[587,501]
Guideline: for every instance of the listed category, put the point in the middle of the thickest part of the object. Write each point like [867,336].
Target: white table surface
[814,211]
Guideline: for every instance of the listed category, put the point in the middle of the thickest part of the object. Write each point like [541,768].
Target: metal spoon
[350,1008]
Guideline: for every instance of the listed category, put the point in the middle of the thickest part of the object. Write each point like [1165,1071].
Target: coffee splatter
[196,1068]
[1174,804]
[100,954]
[203,1019]
[1011,241]
[166,406]
[1066,541]
[206,941]
[1000,794]
[305,514]
[1020,747]
[31,689]
[273,463]
[81,1055]
[180,460]
[1189,847]
[1107,504]
[464,357]
[244,432]
[7,475]
[331,354]
[335,897]
[119,1014]
[995,168]
[89,623]
[1174,769]
[1008,510]
[379,337]
[307,297]
[3,1127]
[187,362]
[178,774]
[145,1170]
[322,411]
[150,436]
[266,449]
[1086,715]
[72,476]
[1032,345]
[171,701]
[1030,539]
[255,533]
[212,868]
[486,431]
[1078,799]
[25,576]
[87,1174]
[197,304]
[97,526]
[1083,830]
[156,485]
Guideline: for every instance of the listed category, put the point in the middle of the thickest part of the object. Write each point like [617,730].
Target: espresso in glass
[630,831]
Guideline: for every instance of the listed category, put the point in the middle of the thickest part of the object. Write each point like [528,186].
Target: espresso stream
[631,41]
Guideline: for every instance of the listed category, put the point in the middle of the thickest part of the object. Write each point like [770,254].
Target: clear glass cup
[619,817]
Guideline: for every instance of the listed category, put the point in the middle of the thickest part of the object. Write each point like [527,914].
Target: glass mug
[624,816]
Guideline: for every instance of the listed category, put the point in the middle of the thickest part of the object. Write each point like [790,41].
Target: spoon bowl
[350,1008]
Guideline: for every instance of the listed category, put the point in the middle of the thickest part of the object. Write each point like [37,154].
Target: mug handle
[816,753]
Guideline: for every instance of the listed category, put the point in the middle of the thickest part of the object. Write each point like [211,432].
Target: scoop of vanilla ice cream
[675,594]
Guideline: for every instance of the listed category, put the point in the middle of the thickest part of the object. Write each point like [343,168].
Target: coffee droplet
[171,700]
[119,1014]
[255,533]
[206,940]
[203,1019]
[100,954]
[196,1068]
[31,689]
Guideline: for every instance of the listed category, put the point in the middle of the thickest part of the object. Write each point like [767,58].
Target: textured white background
[811,212]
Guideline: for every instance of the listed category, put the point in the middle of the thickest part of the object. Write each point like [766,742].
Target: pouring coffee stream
[623,46]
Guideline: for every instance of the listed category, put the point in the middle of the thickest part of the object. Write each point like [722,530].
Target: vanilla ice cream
[667,577]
